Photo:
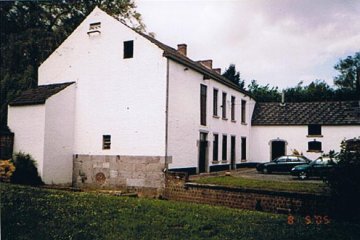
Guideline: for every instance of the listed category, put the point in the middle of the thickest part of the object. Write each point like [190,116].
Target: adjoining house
[312,128]
[117,108]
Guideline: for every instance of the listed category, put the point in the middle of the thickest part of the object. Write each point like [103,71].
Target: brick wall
[178,188]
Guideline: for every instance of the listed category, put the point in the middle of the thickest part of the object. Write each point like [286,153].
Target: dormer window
[128,49]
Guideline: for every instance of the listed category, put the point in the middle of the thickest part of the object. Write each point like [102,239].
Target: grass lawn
[263,184]
[34,213]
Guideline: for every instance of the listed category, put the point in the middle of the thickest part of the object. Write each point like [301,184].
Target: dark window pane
[215,102]
[232,108]
[224,148]
[243,148]
[216,147]
[106,141]
[128,49]
[203,105]
[314,129]
[243,111]
[223,105]
[314,146]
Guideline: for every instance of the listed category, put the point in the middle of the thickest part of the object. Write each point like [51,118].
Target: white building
[115,107]
[312,128]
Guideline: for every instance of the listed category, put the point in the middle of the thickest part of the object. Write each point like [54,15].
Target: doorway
[277,149]
[203,144]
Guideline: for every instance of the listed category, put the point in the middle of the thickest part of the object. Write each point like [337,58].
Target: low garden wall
[178,188]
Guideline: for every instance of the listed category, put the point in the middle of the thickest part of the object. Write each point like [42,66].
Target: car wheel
[303,175]
[266,171]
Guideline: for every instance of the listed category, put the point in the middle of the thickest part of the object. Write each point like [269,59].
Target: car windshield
[321,161]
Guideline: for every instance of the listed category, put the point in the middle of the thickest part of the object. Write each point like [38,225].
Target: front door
[202,152]
[233,151]
[277,149]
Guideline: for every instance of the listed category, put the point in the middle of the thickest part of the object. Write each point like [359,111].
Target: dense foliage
[347,84]
[25,170]
[234,76]
[34,213]
[344,181]
[349,77]
[31,30]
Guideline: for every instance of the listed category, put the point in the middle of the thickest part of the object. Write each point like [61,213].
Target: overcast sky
[280,42]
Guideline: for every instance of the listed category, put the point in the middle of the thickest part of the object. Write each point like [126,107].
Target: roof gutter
[207,73]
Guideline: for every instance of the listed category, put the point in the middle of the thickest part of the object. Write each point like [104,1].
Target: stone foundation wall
[178,188]
[141,173]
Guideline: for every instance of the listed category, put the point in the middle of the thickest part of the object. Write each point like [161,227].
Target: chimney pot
[182,49]
[206,63]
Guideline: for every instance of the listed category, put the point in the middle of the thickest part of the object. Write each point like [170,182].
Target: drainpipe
[166,113]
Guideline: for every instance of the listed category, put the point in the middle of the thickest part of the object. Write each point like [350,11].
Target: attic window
[314,130]
[95,26]
[128,49]
[106,141]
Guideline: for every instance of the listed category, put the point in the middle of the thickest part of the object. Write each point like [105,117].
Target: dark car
[317,168]
[282,164]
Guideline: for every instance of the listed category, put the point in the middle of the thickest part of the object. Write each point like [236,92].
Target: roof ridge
[172,52]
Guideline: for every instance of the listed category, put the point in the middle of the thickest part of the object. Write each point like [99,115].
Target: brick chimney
[182,49]
[206,63]
[217,70]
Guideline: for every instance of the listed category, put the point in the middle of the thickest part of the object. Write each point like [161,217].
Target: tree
[344,180]
[31,30]
[234,76]
[317,90]
[264,93]
[349,77]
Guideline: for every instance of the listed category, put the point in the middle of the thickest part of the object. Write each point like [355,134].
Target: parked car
[317,168]
[282,164]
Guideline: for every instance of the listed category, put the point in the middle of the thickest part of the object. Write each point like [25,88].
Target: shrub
[344,180]
[7,169]
[25,170]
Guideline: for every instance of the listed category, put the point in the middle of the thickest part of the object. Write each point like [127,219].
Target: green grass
[34,213]
[263,184]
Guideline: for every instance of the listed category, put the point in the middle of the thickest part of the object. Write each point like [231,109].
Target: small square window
[128,49]
[314,130]
[106,141]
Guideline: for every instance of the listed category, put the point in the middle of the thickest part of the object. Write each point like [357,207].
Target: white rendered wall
[124,98]
[59,137]
[184,118]
[28,124]
[296,138]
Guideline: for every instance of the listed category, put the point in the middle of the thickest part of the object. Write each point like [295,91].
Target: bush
[25,170]
[344,180]
[7,169]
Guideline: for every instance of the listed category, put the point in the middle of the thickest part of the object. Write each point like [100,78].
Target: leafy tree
[264,93]
[349,77]
[344,180]
[317,90]
[31,30]
[233,75]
